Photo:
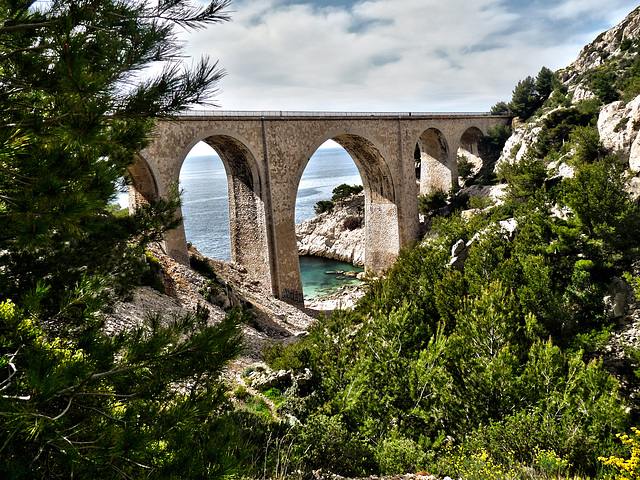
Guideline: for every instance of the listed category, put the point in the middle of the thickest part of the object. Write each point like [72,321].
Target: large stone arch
[437,169]
[382,229]
[247,216]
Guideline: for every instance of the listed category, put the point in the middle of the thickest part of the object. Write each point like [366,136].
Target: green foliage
[78,402]
[492,143]
[487,354]
[323,206]
[104,406]
[602,207]
[483,367]
[524,177]
[559,124]
[500,108]
[399,454]
[465,167]
[524,100]
[545,83]
[430,202]
[344,191]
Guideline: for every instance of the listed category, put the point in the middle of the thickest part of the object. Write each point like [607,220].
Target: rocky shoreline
[338,235]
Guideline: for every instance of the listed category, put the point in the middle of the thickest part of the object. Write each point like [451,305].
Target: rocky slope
[608,44]
[338,235]
[618,127]
[185,289]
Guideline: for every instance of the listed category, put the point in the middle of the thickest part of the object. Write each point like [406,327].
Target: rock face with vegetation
[504,341]
[336,234]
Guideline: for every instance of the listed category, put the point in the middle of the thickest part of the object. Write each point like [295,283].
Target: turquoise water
[322,277]
[205,208]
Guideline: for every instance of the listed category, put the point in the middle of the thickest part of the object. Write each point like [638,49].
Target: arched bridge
[265,154]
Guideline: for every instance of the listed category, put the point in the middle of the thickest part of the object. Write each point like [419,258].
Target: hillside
[507,340]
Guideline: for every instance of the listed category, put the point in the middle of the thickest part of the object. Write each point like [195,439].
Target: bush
[465,167]
[344,191]
[626,469]
[431,202]
[352,222]
[399,455]
[323,206]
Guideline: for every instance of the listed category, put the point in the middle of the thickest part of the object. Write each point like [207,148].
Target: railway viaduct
[265,154]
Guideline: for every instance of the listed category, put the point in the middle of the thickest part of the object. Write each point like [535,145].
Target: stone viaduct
[265,154]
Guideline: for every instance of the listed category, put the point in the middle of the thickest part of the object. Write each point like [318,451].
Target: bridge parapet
[280,114]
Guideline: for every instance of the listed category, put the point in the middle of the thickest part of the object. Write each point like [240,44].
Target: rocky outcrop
[618,126]
[338,235]
[594,55]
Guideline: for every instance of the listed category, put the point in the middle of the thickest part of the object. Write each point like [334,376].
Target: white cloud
[394,56]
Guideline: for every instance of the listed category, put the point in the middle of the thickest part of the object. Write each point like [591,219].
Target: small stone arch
[382,233]
[469,147]
[437,170]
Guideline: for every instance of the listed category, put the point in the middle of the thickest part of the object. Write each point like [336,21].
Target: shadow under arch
[469,147]
[381,221]
[247,217]
[438,171]
[141,183]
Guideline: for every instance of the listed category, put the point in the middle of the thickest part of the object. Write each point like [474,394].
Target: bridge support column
[382,236]
[175,243]
[289,283]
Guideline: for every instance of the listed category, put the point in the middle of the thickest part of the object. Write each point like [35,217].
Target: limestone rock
[616,302]
[618,126]
[326,235]
[594,54]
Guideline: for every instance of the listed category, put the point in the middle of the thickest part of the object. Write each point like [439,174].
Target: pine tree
[69,92]
[524,100]
[76,107]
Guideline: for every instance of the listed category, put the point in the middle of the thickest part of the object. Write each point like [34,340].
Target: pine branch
[191,17]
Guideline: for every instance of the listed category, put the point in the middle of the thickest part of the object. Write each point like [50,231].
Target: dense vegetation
[472,365]
[489,360]
[76,401]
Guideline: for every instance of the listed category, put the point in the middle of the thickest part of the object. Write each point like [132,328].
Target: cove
[323,277]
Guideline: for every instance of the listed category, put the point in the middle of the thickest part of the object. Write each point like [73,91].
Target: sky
[393,55]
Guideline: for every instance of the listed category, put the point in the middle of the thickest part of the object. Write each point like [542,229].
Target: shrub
[323,206]
[465,167]
[430,202]
[352,222]
[626,469]
[344,191]
[399,454]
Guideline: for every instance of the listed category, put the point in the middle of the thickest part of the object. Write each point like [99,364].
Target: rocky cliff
[610,44]
[338,234]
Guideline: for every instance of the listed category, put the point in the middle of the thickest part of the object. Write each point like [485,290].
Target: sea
[205,209]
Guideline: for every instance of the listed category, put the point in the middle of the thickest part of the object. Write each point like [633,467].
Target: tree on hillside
[544,84]
[524,100]
[75,109]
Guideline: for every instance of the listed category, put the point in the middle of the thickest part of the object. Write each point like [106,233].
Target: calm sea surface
[205,208]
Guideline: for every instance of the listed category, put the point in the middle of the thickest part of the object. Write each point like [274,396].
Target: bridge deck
[284,114]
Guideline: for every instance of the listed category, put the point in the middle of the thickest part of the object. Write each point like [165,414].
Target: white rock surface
[326,236]
[618,126]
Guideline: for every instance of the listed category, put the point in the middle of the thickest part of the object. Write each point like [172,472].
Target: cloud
[404,55]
